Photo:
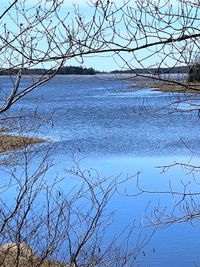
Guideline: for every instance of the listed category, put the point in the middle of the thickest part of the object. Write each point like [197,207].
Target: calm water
[116,129]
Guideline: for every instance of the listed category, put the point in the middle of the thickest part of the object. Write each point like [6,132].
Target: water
[99,116]
[120,130]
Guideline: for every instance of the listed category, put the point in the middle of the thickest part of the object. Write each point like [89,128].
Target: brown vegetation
[193,88]
[11,259]
[12,142]
[13,254]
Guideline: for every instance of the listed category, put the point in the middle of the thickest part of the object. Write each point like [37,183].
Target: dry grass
[12,260]
[12,142]
[193,88]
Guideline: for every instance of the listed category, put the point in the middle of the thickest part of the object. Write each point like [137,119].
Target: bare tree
[145,37]
[44,225]
[41,225]
[142,34]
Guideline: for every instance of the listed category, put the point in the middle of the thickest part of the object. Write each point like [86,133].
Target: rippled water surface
[101,115]
[118,129]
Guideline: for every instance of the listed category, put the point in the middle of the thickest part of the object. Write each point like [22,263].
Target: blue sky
[106,62]
[103,62]
[100,62]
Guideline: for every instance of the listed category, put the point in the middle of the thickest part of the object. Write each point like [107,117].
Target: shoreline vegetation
[12,142]
[67,70]
[170,87]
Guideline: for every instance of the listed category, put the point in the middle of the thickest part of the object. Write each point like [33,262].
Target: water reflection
[120,131]
[172,244]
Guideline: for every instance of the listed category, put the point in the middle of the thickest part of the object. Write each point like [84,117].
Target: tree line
[67,70]
[79,70]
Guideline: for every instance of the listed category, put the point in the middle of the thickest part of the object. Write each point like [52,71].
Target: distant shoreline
[80,70]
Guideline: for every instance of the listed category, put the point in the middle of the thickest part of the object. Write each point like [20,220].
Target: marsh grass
[191,88]
[12,142]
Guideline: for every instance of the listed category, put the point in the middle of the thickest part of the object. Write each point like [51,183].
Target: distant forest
[68,70]
[181,69]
